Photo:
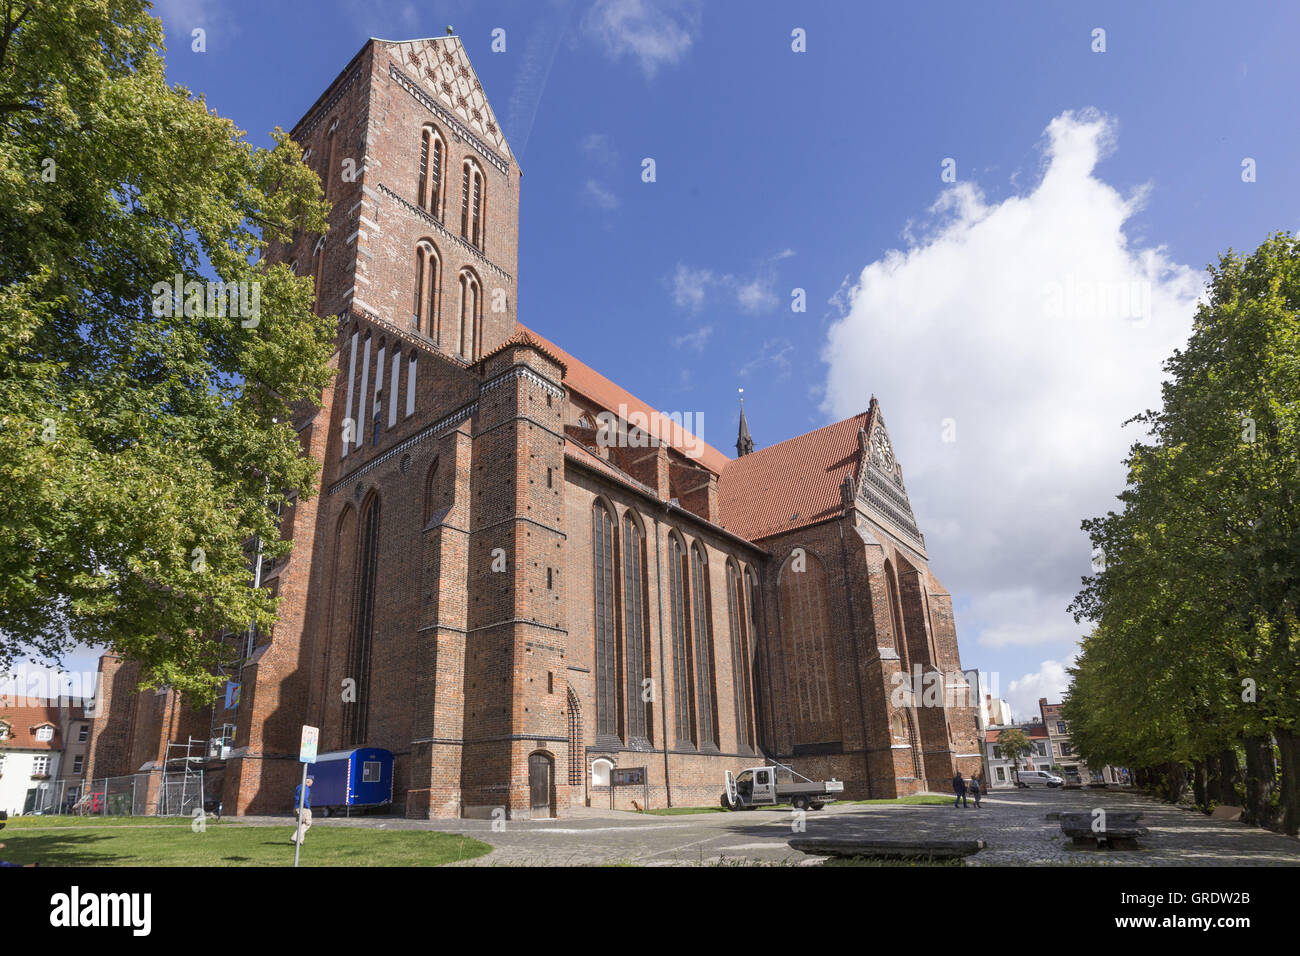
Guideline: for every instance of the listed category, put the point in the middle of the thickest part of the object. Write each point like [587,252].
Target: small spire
[744,443]
[450,32]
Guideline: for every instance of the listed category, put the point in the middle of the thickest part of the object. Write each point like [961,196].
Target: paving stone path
[1013,825]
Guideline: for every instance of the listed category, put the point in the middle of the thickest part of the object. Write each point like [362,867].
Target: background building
[1069,763]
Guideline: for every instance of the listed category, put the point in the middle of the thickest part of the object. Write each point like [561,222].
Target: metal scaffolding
[180,791]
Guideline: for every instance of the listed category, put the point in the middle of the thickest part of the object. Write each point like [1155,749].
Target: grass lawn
[45,823]
[165,843]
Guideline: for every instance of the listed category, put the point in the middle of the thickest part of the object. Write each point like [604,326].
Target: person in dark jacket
[959,788]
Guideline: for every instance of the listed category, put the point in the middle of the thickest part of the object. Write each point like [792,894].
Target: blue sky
[776,170]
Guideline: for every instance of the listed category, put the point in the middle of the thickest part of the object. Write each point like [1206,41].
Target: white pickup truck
[760,787]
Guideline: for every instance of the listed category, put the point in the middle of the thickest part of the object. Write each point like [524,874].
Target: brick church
[520,578]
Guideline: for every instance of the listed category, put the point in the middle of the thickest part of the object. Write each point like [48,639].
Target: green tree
[141,451]
[1014,745]
[1198,649]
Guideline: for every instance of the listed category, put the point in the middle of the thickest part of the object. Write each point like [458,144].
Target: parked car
[1038,778]
[89,804]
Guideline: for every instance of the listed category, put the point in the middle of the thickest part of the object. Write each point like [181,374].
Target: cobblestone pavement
[1013,825]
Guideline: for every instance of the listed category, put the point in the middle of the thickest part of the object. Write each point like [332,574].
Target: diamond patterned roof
[443,69]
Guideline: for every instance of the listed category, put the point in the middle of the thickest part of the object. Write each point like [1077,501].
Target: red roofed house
[30,747]
[519,577]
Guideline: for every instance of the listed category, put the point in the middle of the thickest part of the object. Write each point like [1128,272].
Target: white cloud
[756,296]
[692,287]
[1050,681]
[695,341]
[774,354]
[654,33]
[599,148]
[1029,330]
[599,195]
[1016,616]
[540,47]
[600,154]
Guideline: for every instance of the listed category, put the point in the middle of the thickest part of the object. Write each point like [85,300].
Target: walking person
[304,822]
[959,788]
[976,789]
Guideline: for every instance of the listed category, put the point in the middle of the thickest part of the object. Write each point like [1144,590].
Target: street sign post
[306,755]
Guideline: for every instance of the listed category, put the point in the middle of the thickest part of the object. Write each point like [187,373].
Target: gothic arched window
[318,267]
[471,316]
[356,714]
[602,551]
[472,202]
[803,589]
[739,653]
[428,284]
[634,627]
[433,158]
[681,659]
[702,638]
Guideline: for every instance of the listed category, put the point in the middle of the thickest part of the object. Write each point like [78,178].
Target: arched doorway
[541,784]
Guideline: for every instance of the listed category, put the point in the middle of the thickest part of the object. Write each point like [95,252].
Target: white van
[1038,778]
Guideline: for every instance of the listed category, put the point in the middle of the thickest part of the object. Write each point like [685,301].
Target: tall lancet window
[602,550]
[318,268]
[471,316]
[737,622]
[428,283]
[634,628]
[472,201]
[702,638]
[356,715]
[432,160]
[681,656]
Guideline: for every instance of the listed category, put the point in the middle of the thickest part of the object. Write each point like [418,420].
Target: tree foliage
[140,452]
[1196,645]
[1014,745]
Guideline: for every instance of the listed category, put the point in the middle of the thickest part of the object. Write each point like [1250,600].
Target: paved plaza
[1013,826]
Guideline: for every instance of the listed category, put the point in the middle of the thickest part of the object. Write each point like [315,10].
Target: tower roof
[744,441]
[443,68]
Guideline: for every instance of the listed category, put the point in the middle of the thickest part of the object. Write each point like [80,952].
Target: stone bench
[1119,829]
[917,849]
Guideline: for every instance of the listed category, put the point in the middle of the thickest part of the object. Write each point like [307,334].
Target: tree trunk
[1229,778]
[1261,781]
[1288,747]
[1174,781]
[1200,783]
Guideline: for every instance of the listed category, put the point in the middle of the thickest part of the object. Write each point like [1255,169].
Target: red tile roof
[790,484]
[579,452]
[586,381]
[523,337]
[23,722]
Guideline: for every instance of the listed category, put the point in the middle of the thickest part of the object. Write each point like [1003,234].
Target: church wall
[474,668]
[692,778]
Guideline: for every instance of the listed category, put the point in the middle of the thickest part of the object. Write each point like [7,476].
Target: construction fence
[132,795]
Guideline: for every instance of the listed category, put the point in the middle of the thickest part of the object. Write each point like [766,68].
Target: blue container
[344,779]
